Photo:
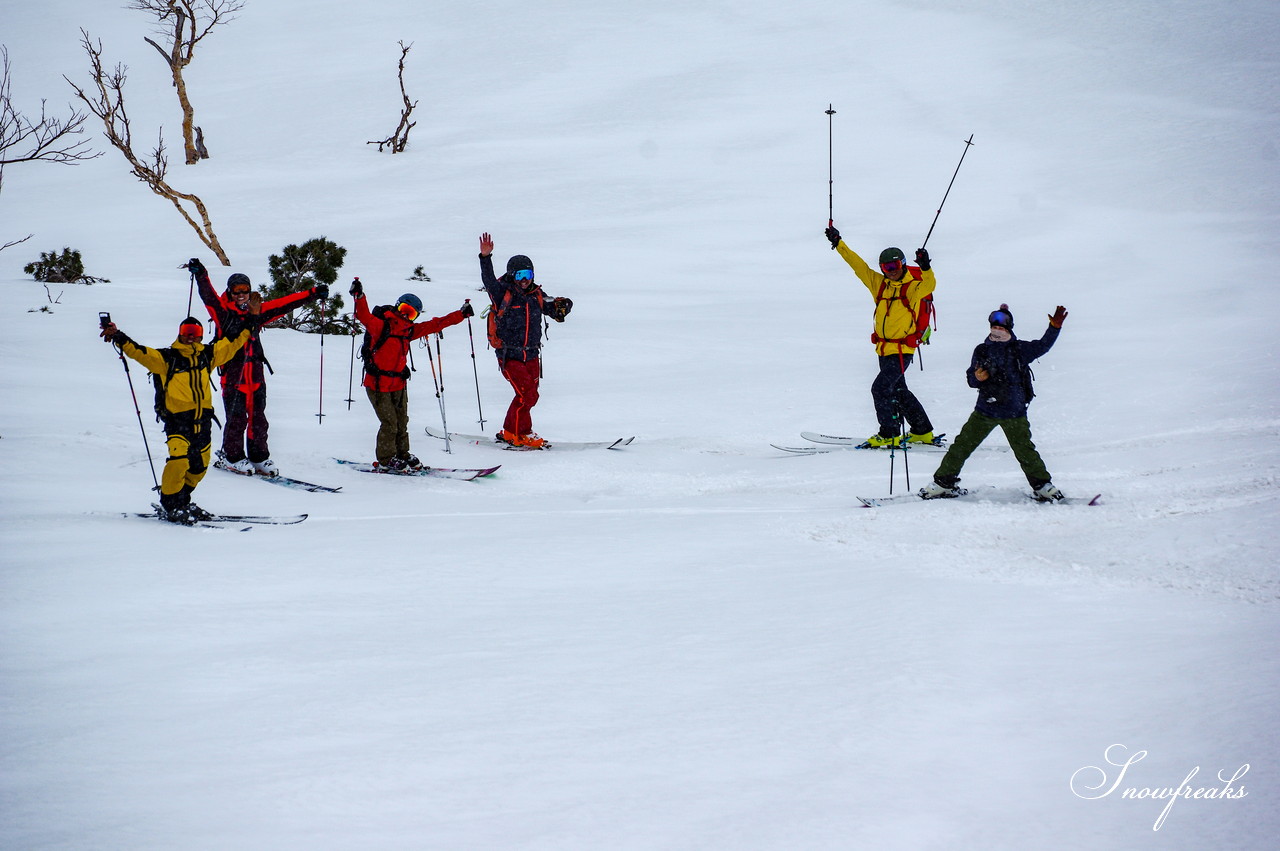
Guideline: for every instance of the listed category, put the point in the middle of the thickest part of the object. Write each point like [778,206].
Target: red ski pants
[523,376]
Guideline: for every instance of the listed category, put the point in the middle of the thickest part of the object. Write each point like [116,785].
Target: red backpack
[926,315]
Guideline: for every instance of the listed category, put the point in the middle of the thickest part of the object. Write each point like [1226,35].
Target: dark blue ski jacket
[1007,391]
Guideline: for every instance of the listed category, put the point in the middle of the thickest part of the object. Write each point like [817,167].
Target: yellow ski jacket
[895,318]
[185,372]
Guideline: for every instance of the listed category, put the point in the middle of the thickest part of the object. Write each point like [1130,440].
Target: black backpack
[176,363]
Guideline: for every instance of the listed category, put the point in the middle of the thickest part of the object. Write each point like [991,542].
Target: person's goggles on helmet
[891,266]
[408,311]
[239,291]
[523,275]
[190,329]
[1002,318]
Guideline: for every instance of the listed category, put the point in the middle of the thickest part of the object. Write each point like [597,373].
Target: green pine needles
[301,267]
[64,268]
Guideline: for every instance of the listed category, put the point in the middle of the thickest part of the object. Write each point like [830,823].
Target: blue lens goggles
[999,317]
[523,275]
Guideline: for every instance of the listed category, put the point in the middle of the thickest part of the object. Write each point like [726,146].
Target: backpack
[176,363]
[926,315]
[370,345]
[496,310]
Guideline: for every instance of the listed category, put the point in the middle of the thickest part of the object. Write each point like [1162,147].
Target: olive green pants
[392,408]
[1016,430]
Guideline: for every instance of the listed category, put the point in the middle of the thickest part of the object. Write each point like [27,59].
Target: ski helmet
[411,300]
[518,262]
[238,280]
[891,254]
[1002,317]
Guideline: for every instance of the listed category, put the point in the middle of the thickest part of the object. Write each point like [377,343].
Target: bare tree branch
[183,24]
[108,104]
[400,138]
[48,140]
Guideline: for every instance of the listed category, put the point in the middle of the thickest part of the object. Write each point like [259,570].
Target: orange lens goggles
[407,311]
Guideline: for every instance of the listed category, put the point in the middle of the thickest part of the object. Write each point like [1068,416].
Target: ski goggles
[408,311]
[1000,317]
[523,275]
[239,291]
[190,329]
[891,266]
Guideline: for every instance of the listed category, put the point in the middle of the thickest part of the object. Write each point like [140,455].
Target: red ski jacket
[385,366]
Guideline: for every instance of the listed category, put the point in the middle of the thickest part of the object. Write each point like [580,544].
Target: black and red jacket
[246,368]
[515,324]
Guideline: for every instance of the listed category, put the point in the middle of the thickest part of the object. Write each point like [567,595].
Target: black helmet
[515,264]
[411,300]
[238,279]
[891,254]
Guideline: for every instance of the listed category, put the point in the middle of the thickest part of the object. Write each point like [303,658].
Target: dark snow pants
[1017,430]
[246,417]
[392,408]
[891,396]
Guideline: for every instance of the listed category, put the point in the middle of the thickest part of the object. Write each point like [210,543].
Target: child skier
[1001,373]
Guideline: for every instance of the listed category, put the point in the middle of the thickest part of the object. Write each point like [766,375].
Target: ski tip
[1097,500]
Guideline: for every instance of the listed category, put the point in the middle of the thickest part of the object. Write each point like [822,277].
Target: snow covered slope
[694,642]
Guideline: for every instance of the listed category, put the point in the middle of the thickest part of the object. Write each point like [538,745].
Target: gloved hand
[108,332]
[560,308]
[467,309]
[322,290]
[1059,316]
[194,265]
[833,235]
[357,288]
[922,259]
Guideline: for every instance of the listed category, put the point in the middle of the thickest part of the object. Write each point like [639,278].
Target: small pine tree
[418,275]
[64,268]
[301,267]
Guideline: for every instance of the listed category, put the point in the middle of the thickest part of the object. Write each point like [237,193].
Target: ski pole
[474,371]
[967,144]
[138,410]
[320,415]
[831,204]
[351,371]
[439,385]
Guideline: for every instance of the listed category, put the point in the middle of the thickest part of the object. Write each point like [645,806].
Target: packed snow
[697,641]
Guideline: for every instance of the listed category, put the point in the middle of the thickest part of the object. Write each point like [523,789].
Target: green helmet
[891,254]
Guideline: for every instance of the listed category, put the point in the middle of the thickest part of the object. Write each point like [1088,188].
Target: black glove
[322,290]
[922,259]
[833,235]
[467,309]
[357,288]
[194,265]
[560,308]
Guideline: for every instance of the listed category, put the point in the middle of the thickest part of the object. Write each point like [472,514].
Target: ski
[213,521]
[859,443]
[832,447]
[435,472]
[283,481]
[988,494]
[486,440]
